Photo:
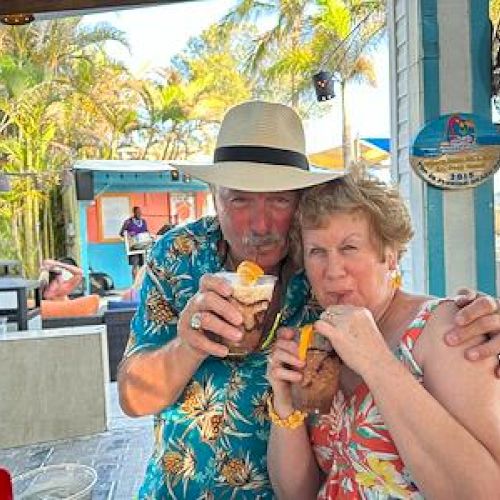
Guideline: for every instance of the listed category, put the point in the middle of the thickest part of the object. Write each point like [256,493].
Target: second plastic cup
[252,300]
[320,382]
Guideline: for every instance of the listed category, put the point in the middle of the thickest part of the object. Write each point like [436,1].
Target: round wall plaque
[456,151]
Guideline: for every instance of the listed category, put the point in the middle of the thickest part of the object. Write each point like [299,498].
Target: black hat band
[261,154]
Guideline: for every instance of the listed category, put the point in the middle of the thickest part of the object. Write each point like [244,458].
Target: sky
[157,33]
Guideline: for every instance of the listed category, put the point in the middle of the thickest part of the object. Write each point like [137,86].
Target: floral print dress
[353,446]
[212,442]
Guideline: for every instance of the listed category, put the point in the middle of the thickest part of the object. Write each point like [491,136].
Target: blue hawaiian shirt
[213,441]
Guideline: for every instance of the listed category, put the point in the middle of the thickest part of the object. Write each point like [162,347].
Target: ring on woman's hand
[195,322]
[330,315]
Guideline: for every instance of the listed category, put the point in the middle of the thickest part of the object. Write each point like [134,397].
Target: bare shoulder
[468,390]
[431,347]
[409,305]
[443,317]
[440,322]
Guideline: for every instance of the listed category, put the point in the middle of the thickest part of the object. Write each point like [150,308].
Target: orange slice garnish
[249,272]
[306,336]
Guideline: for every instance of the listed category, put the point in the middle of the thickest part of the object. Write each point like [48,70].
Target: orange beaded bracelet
[294,420]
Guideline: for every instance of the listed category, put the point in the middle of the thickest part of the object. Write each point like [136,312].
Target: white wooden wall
[406,120]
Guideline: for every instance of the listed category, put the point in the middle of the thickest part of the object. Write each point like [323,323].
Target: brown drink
[320,382]
[252,300]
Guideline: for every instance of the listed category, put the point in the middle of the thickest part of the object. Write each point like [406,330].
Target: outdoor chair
[117,323]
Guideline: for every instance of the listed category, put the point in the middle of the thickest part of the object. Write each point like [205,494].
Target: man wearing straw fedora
[211,424]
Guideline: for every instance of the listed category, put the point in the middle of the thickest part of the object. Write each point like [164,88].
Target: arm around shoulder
[469,392]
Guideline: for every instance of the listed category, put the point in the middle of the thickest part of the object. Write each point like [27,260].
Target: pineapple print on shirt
[212,442]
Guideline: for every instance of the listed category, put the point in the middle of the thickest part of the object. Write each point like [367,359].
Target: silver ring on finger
[195,321]
[332,316]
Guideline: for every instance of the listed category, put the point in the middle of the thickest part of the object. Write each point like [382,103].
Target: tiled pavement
[119,456]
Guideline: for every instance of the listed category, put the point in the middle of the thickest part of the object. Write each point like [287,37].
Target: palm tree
[183,107]
[25,144]
[289,30]
[37,69]
[167,111]
[305,36]
[345,33]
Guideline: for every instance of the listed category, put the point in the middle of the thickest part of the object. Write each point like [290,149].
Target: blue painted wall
[84,254]
[483,194]
[110,258]
[433,195]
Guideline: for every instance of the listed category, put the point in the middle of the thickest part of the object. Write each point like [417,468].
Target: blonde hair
[387,214]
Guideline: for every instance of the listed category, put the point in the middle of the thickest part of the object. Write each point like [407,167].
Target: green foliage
[63,97]
[183,105]
[39,66]
[304,37]
[495,11]
[16,78]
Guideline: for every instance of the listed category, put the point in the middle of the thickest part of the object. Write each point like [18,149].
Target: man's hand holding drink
[225,317]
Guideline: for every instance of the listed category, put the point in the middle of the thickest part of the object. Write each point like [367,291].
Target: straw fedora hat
[260,147]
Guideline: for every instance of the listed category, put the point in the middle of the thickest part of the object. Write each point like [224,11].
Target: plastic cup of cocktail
[320,376]
[252,299]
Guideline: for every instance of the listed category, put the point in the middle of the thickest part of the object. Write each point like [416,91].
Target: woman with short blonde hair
[390,220]
[411,417]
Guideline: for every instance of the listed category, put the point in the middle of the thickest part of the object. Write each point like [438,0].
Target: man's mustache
[255,240]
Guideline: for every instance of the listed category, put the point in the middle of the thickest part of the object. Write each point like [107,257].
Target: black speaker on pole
[84,180]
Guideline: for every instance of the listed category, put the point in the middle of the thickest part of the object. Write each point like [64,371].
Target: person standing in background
[134,226]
